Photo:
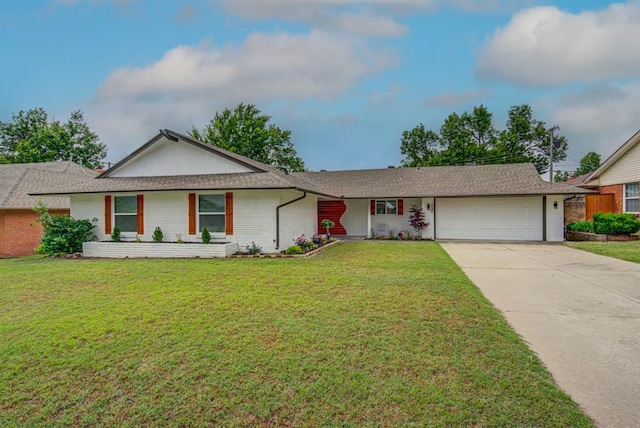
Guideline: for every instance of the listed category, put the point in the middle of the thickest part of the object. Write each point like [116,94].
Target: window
[126,213]
[631,198]
[211,213]
[386,207]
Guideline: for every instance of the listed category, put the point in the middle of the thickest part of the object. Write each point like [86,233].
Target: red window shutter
[140,214]
[228,213]
[192,213]
[373,207]
[107,214]
[400,207]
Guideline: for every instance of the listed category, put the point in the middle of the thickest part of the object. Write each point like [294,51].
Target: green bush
[206,236]
[254,248]
[63,234]
[115,235]
[581,226]
[157,235]
[615,223]
[294,249]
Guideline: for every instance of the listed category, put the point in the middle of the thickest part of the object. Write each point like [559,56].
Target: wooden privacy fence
[598,204]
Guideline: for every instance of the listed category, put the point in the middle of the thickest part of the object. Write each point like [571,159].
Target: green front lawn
[368,333]
[629,251]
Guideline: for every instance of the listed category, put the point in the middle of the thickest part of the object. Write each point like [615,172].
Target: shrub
[327,224]
[115,235]
[417,219]
[63,234]
[581,226]
[254,249]
[157,235]
[318,239]
[206,236]
[615,223]
[294,249]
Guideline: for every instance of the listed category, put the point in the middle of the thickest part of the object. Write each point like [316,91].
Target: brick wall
[20,232]
[616,190]
[574,209]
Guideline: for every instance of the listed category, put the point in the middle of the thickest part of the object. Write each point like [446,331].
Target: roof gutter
[304,195]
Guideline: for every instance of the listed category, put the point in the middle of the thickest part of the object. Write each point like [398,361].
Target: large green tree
[31,137]
[246,131]
[589,163]
[472,138]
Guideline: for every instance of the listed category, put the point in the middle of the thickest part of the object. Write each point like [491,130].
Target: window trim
[625,198]
[395,201]
[134,214]
[223,213]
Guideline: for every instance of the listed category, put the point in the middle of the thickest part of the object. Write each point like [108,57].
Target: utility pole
[553,128]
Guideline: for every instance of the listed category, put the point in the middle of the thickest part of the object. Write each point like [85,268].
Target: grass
[629,251]
[365,334]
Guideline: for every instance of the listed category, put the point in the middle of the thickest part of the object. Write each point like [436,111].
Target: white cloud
[266,66]
[600,118]
[544,46]
[189,83]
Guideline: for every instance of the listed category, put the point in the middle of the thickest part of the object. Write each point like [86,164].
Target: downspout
[304,195]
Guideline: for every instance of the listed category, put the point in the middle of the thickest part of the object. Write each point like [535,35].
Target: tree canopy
[472,138]
[246,131]
[31,137]
[589,163]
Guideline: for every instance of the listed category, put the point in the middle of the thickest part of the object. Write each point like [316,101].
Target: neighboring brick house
[20,232]
[619,176]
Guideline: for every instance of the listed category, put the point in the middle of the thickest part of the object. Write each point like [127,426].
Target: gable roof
[263,176]
[175,136]
[611,160]
[439,181]
[18,181]
[451,181]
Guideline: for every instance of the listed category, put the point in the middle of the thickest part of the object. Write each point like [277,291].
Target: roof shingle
[19,181]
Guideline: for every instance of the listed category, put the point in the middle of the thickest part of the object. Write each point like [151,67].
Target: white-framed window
[125,213]
[386,206]
[211,209]
[632,198]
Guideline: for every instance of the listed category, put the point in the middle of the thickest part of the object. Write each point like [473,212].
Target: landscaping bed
[586,236]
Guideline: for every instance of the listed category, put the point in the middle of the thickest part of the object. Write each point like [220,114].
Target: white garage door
[508,218]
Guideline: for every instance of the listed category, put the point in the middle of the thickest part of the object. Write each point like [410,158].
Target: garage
[491,218]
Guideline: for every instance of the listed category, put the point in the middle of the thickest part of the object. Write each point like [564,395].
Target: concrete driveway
[579,312]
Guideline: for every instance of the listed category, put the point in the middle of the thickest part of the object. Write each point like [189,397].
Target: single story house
[20,232]
[183,185]
[619,176]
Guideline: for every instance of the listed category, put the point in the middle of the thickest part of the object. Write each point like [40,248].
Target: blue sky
[347,77]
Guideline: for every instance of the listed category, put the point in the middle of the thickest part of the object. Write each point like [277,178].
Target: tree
[561,176]
[462,139]
[245,131]
[527,139]
[589,163]
[471,138]
[30,137]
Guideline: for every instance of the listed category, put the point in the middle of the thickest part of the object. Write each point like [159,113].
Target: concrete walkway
[579,312]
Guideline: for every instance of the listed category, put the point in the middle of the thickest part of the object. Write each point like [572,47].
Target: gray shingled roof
[18,181]
[246,180]
[440,181]
[486,180]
